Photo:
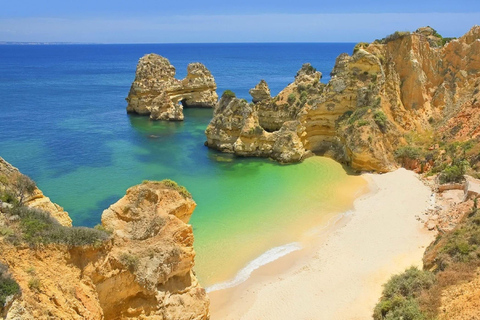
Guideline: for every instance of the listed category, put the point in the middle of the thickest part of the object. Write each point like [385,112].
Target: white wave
[269,256]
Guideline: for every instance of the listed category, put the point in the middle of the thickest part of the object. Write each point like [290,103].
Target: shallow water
[63,122]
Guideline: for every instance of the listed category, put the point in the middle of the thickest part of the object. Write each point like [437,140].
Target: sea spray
[269,256]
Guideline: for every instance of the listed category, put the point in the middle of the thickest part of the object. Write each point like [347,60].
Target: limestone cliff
[235,129]
[157,93]
[139,268]
[406,83]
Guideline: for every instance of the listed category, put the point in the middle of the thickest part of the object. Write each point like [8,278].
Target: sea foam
[269,256]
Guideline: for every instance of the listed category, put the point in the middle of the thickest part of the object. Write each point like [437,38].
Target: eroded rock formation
[407,82]
[157,93]
[143,270]
[235,128]
[260,92]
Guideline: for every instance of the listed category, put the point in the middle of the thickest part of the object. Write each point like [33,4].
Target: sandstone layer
[157,93]
[407,82]
[141,269]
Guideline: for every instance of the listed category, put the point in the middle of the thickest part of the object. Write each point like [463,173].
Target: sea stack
[156,92]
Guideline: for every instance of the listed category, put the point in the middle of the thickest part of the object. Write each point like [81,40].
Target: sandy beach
[340,272]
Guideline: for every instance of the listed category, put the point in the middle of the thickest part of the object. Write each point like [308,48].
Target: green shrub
[24,186]
[398,308]
[408,152]
[130,261]
[408,283]
[454,172]
[381,120]
[357,114]
[291,98]
[3,179]
[9,197]
[447,40]
[360,45]
[170,184]
[228,93]
[34,284]
[174,186]
[8,286]
[396,35]
[37,227]
[399,295]
[301,88]
[362,122]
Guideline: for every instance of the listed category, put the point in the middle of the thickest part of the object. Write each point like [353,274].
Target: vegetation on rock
[170,184]
[8,286]
[36,227]
[228,93]
[400,293]
[453,258]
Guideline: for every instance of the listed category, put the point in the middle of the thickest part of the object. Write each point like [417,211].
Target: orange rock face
[143,271]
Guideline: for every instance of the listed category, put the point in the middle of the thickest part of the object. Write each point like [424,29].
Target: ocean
[63,123]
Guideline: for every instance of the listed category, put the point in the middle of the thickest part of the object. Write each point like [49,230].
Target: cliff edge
[138,264]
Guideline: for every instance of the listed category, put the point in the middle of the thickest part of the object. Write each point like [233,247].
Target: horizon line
[5,43]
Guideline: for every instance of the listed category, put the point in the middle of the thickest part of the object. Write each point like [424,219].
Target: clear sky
[159,21]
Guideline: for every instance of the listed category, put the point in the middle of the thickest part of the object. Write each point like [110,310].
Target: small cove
[64,124]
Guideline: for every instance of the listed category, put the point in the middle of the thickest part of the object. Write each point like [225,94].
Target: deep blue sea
[63,123]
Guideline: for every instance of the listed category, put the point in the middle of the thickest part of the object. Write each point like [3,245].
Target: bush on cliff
[170,184]
[408,152]
[381,120]
[399,295]
[291,98]
[38,227]
[8,286]
[454,172]
[394,36]
[228,93]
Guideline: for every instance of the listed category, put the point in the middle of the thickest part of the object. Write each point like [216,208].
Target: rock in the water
[235,129]
[157,93]
[260,92]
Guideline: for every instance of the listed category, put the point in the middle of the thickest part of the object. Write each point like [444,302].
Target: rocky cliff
[157,93]
[403,84]
[235,128]
[136,265]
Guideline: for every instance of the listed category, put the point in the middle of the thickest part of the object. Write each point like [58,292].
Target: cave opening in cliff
[269,129]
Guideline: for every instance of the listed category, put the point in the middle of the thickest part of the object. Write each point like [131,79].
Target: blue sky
[150,21]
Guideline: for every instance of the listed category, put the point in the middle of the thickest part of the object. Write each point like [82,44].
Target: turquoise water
[64,123]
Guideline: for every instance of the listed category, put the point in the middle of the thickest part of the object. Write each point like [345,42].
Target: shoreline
[339,271]
[304,243]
